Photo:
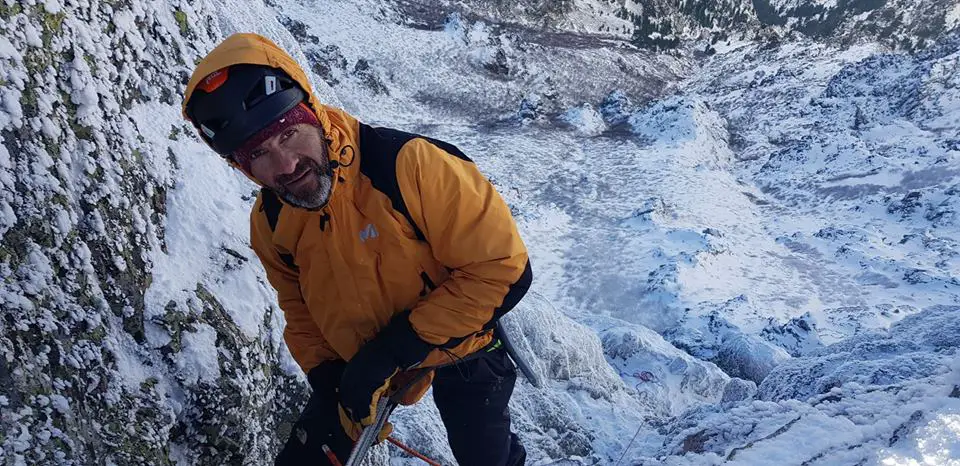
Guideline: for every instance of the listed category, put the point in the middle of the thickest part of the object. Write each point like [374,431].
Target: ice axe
[369,434]
[501,334]
[386,405]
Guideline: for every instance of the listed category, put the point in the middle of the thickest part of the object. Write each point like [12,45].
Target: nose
[285,161]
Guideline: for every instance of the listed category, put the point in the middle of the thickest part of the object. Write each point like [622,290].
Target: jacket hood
[248,48]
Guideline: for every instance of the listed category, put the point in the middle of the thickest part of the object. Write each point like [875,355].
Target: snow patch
[52,6]
[952,18]
[199,359]
[937,442]
[585,119]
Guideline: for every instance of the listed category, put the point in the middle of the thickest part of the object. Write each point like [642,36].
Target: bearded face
[294,163]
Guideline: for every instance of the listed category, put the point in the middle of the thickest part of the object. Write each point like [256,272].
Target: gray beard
[313,200]
[324,177]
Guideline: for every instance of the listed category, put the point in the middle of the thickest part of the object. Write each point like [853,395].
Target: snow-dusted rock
[114,348]
[749,357]
[798,336]
[877,398]
[665,378]
[914,348]
[738,390]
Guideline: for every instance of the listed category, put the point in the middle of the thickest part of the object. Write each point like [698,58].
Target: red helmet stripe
[213,80]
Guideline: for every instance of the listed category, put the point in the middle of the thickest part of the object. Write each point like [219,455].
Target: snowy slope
[859,158]
[735,256]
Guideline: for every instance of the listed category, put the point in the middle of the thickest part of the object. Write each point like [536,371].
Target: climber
[390,252]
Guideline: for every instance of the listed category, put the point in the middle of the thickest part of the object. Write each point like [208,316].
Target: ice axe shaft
[385,407]
[369,434]
[520,362]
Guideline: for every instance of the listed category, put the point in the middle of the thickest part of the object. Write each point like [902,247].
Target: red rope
[412,452]
[330,456]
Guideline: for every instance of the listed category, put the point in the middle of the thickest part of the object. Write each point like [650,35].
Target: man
[389,251]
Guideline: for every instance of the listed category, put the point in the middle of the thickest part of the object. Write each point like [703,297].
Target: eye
[288,134]
[255,154]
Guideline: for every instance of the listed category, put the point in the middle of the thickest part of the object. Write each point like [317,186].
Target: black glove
[367,375]
[325,377]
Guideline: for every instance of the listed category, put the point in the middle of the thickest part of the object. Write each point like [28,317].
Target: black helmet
[233,104]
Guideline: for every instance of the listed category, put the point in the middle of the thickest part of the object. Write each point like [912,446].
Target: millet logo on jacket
[369,232]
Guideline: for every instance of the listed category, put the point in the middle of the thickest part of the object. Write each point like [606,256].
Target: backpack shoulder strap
[271,206]
[379,148]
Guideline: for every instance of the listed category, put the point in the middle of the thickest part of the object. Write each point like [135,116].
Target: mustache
[304,166]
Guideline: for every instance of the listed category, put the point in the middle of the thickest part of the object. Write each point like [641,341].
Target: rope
[625,450]
[330,456]
[412,452]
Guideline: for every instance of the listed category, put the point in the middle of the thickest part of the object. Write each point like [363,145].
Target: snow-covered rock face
[120,343]
[736,255]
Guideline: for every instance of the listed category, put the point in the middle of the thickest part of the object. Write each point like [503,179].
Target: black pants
[472,398]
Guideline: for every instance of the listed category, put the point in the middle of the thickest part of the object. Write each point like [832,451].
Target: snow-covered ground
[749,259]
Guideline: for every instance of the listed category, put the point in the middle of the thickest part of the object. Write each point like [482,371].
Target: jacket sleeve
[307,344]
[471,231]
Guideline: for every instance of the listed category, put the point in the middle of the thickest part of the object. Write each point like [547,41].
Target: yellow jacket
[411,224]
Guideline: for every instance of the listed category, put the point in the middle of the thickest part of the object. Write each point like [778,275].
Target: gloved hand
[325,377]
[367,375]
[354,429]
